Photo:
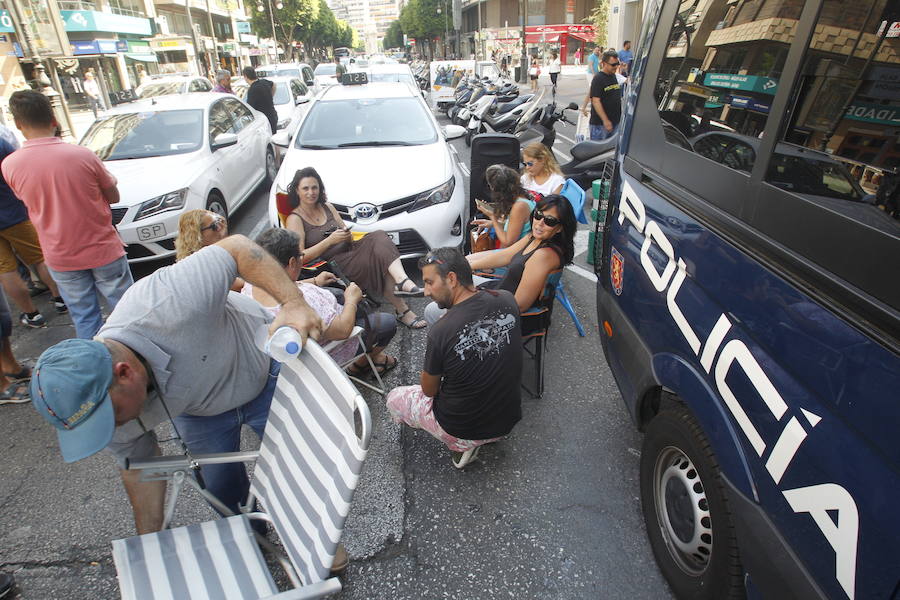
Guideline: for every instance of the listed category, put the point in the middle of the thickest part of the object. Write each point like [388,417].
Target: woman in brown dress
[372,262]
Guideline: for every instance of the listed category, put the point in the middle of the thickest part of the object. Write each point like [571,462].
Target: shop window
[717,82]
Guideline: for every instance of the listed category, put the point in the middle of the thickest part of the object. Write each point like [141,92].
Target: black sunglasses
[547,219]
[430,259]
[217,224]
[615,64]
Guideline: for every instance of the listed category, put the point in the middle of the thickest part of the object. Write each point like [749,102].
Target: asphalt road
[551,512]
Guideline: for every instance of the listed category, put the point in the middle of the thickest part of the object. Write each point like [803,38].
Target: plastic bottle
[285,344]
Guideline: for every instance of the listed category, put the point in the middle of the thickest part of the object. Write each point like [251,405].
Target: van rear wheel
[686,510]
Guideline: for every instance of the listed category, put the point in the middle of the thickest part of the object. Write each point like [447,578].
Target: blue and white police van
[749,294]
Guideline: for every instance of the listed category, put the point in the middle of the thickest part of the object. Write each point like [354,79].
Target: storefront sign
[749,83]
[243,27]
[167,44]
[6,24]
[140,47]
[80,48]
[882,82]
[874,113]
[748,103]
[255,52]
[92,20]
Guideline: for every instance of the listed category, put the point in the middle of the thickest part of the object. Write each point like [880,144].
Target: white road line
[258,229]
[568,139]
[581,241]
[582,272]
[464,169]
[562,155]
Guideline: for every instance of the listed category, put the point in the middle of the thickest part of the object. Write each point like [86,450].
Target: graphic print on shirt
[486,336]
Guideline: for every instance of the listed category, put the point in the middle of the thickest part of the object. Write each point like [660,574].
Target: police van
[749,294]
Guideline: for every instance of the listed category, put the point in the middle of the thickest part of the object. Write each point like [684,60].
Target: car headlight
[438,195]
[282,123]
[171,201]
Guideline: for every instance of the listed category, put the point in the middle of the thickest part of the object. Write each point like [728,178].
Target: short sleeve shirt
[593,62]
[12,210]
[197,337]
[625,56]
[476,348]
[607,88]
[61,184]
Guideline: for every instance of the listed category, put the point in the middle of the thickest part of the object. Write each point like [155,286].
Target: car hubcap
[216,206]
[682,510]
[271,171]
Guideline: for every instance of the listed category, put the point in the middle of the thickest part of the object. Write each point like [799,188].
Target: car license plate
[395,237]
[151,232]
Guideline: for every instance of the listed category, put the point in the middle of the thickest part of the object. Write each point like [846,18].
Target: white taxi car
[385,163]
[165,85]
[290,97]
[175,153]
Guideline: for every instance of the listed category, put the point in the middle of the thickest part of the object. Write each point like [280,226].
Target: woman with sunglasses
[372,262]
[529,262]
[511,217]
[197,229]
[541,174]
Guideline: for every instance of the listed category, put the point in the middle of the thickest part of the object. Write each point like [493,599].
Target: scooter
[505,121]
[589,159]
[543,130]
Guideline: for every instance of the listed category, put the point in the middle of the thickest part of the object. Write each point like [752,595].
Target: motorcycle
[503,120]
[589,159]
[543,128]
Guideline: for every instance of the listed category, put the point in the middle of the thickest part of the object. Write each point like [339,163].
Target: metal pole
[212,32]
[523,76]
[274,35]
[67,127]
[187,9]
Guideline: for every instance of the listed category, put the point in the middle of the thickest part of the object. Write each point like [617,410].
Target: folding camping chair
[536,330]
[357,333]
[306,471]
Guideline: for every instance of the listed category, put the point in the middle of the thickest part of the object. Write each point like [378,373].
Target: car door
[298,90]
[253,132]
[229,162]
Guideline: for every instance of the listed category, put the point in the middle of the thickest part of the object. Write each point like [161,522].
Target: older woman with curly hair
[197,229]
[511,204]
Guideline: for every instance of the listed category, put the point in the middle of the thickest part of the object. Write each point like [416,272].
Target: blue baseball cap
[69,388]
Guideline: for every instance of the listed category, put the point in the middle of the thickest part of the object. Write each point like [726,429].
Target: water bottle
[284,345]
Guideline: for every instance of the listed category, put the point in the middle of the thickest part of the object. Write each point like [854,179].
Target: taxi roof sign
[354,78]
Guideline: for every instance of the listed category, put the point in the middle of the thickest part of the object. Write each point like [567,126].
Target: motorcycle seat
[589,149]
[492,120]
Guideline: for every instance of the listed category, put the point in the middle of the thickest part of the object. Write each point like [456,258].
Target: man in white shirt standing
[93,93]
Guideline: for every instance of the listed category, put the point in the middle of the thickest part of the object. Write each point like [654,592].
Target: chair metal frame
[572,192]
[186,469]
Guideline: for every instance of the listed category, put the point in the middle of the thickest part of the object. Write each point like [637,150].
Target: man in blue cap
[177,345]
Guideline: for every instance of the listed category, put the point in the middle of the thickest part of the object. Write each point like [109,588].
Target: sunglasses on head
[547,219]
[218,223]
[430,259]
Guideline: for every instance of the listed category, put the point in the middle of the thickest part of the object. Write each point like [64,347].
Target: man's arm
[111,194]
[258,268]
[598,106]
[430,384]
[147,499]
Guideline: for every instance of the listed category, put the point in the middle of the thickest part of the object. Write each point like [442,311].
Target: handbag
[482,241]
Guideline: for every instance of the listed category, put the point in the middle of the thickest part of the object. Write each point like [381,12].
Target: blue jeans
[222,433]
[80,288]
[599,132]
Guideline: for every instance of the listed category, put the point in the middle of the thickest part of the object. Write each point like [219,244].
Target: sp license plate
[151,232]
[395,237]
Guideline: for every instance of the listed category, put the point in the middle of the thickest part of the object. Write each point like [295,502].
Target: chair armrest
[176,462]
[356,332]
[314,590]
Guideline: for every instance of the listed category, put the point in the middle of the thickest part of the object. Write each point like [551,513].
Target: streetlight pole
[523,75]
[279,6]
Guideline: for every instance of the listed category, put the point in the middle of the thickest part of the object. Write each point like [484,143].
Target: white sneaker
[461,459]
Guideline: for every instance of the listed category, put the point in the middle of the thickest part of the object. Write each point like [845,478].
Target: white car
[173,84]
[381,73]
[301,71]
[325,76]
[385,163]
[291,96]
[175,153]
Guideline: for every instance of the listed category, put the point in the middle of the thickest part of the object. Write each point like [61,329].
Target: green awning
[141,57]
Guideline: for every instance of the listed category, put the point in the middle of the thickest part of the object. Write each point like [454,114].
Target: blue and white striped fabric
[310,459]
[216,559]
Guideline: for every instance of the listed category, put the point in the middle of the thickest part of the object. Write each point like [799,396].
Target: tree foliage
[599,18]
[420,19]
[293,12]
[393,37]
[307,21]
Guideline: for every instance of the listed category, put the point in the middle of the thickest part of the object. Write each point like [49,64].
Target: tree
[420,19]
[393,37]
[599,18]
[293,13]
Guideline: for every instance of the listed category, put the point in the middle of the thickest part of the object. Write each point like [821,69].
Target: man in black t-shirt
[259,96]
[606,98]
[469,392]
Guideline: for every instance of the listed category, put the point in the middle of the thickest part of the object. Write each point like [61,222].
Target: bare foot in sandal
[16,393]
[411,320]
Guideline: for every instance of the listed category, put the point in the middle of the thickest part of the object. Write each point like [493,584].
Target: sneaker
[6,584]
[34,320]
[36,289]
[461,459]
[60,305]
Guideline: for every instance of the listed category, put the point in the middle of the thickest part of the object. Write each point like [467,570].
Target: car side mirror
[310,81]
[301,100]
[223,140]
[451,132]
[282,139]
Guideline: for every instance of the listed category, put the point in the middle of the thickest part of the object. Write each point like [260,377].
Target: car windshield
[326,69]
[401,77]
[163,88]
[289,72]
[282,93]
[145,134]
[367,122]
[263,72]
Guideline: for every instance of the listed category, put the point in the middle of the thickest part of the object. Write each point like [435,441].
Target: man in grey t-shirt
[178,343]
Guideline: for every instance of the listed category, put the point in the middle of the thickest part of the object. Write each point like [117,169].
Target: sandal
[417,323]
[16,393]
[416,291]
[23,375]
[388,365]
[340,562]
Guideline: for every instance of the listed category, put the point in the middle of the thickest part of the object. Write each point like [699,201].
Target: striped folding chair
[357,332]
[306,472]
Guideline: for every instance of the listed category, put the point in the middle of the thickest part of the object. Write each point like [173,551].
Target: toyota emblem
[365,212]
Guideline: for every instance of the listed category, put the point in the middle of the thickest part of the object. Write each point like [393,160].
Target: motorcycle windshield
[528,116]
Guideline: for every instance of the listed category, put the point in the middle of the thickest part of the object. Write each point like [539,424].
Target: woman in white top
[541,173]
[554,67]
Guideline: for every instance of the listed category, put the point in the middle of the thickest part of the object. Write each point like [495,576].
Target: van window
[719,74]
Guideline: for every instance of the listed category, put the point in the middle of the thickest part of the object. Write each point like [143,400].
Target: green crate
[600,189]
[595,238]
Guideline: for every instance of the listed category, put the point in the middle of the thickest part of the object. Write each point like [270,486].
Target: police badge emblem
[616,270]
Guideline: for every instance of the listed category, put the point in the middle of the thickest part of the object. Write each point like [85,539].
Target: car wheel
[271,167]
[686,510]
[216,204]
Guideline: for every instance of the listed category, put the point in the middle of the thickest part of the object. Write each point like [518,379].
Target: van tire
[686,510]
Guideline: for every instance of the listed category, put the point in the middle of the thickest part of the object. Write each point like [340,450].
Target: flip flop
[23,375]
[415,292]
[389,364]
[16,393]
[418,323]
